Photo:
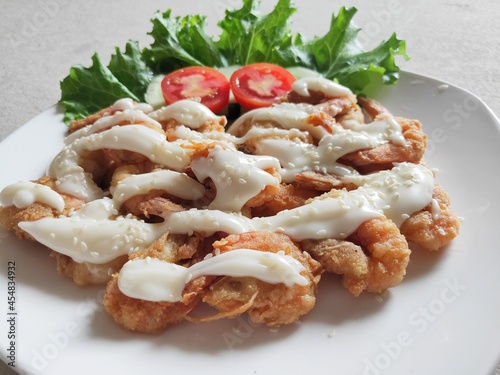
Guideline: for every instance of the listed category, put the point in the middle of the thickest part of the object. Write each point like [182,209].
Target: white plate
[443,319]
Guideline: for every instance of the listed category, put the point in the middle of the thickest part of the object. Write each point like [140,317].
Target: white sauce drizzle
[90,235]
[127,103]
[296,157]
[128,116]
[186,112]
[174,183]
[435,209]
[331,89]
[72,179]
[96,234]
[236,175]
[285,115]
[24,194]
[405,189]
[157,280]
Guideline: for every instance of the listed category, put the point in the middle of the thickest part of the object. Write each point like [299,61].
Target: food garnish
[246,37]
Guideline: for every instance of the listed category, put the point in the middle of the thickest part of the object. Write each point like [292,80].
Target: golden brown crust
[271,304]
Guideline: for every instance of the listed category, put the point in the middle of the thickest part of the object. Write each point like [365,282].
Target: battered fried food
[271,304]
[11,216]
[86,273]
[373,258]
[154,317]
[435,226]
[323,181]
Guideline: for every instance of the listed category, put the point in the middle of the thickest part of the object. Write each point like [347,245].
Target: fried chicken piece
[271,304]
[413,151]
[429,229]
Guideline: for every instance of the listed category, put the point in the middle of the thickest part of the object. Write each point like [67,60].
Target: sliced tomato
[260,84]
[203,84]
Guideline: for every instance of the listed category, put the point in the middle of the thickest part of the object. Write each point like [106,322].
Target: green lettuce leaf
[131,69]
[180,42]
[87,90]
[246,37]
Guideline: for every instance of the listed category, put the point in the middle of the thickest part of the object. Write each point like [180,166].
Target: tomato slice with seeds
[203,84]
[260,84]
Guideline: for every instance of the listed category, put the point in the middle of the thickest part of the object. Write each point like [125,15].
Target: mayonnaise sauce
[73,180]
[236,175]
[285,115]
[128,116]
[186,112]
[97,233]
[329,88]
[92,235]
[174,183]
[157,280]
[396,194]
[23,194]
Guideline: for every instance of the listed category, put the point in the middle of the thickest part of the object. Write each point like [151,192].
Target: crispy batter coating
[322,182]
[84,274]
[11,216]
[388,255]
[429,229]
[338,256]
[154,317]
[146,316]
[373,258]
[271,304]
[412,151]
[287,196]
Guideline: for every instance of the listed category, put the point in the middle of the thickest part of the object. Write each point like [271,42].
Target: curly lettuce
[246,37]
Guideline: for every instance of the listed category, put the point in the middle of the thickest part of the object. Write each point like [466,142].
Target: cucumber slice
[154,95]
[300,72]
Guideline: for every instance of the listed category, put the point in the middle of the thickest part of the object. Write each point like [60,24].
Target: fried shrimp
[435,226]
[412,150]
[86,273]
[271,304]
[11,216]
[147,316]
[322,182]
[172,210]
[373,258]
[154,317]
[287,196]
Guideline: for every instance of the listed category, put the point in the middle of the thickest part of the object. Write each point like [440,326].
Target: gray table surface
[453,40]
